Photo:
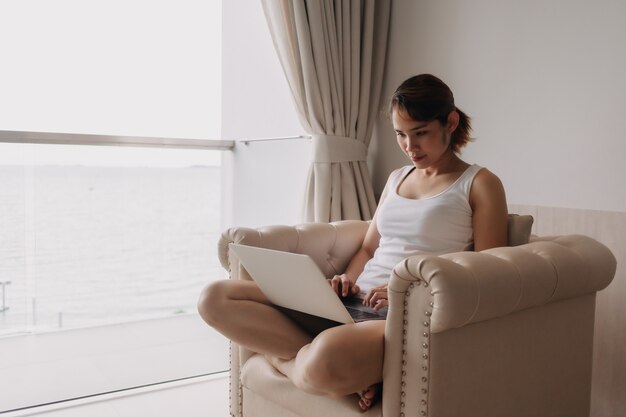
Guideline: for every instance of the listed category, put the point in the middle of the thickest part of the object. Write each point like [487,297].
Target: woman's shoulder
[485,185]
[393,179]
[485,178]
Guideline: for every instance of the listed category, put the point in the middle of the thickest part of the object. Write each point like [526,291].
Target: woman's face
[425,143]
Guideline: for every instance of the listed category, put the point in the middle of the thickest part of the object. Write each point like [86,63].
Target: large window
[105,248]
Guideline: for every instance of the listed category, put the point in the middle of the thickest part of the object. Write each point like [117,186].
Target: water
[85,246]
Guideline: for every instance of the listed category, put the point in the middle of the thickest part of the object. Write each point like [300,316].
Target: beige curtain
[333,55]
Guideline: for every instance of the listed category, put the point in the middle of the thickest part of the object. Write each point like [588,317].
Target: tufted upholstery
[503,332]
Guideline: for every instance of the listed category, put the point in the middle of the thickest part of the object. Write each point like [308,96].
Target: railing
[247,141]
[50,138]
[9,136]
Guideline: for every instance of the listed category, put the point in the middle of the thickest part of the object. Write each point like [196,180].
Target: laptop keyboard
[360,315]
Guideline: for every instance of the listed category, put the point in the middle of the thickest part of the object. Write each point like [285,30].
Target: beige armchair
[501,333]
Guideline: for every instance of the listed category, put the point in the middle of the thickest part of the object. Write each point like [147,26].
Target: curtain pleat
[333,54]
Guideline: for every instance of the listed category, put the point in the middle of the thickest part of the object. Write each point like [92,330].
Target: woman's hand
[377,298]
[343,286]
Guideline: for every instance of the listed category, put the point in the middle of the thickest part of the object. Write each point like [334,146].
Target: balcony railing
[76,224]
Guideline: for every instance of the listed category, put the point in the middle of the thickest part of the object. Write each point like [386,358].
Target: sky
[110,67]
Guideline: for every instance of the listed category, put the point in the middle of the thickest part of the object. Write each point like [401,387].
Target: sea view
[84,246]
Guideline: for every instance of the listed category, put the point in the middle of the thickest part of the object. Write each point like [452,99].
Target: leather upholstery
[507,331]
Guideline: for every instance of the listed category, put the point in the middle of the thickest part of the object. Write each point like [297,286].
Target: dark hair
[426,98]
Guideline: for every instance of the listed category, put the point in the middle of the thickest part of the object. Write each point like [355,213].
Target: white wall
[264,181]
[545,83]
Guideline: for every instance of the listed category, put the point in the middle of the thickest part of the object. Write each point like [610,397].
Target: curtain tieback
[327,148]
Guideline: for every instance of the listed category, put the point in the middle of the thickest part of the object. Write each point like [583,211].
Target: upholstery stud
[425,324]
[428,313]
[425,356]
[424,379]
[423,412]
[425,345]
[425,368]
[411,286]
[402,394]
[425,334]
[424,391]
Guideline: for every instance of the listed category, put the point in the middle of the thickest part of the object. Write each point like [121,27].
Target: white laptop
[295,282]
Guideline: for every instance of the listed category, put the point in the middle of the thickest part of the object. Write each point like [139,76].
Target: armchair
[503,332]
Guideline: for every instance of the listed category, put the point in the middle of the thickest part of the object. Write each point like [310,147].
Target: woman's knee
[213,301]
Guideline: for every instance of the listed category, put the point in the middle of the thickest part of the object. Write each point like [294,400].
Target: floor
[200,397]
[168,367]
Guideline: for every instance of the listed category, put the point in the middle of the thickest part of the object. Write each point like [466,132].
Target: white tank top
[438,224]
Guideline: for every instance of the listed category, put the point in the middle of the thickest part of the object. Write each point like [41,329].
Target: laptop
[295,283]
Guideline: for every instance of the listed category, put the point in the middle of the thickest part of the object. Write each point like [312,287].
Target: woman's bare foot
[369,396]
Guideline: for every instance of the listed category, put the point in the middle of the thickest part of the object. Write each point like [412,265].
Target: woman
[437,204]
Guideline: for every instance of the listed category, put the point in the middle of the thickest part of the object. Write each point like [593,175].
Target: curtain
[333,55]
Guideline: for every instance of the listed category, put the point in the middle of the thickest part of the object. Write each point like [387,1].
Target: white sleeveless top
[438,224]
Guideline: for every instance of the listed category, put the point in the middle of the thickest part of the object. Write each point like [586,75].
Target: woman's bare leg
[340,361]
[241,312]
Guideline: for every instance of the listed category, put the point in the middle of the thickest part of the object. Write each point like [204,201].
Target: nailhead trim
[404,343]
[423,410]
[230,381]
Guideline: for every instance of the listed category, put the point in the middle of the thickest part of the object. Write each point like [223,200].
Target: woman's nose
[411,147]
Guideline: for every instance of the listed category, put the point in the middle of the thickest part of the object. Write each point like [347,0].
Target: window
[105,247]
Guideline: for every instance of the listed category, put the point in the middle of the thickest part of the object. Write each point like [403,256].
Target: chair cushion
[260,377]
[519,229]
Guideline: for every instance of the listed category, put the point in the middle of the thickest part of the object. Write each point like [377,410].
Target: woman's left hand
[377,298]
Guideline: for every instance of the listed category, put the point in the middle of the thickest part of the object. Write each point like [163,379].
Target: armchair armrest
[433,294]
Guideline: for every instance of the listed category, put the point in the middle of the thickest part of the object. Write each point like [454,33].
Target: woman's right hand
[343,286]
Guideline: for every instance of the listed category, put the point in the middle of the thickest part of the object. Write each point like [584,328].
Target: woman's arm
[489,218]
[348,279]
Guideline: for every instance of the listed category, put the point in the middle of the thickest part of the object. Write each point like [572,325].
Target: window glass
[119,67]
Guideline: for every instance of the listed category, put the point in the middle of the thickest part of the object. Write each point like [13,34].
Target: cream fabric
[333,56]
[507,331]
[332,149]
[261,379]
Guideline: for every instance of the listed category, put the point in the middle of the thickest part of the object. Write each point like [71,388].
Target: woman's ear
[453,121]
